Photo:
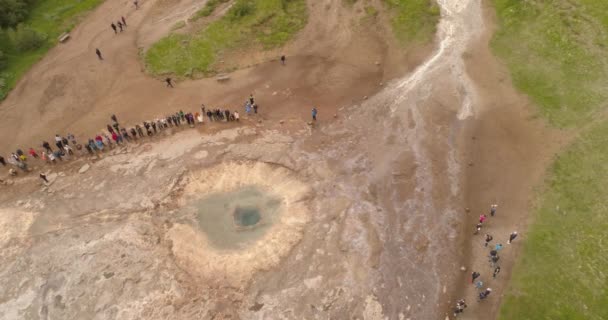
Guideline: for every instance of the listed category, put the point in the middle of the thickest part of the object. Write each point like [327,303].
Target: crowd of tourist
[493,261]
[115,134]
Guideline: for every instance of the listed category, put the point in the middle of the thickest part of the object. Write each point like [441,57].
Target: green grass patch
[269,23]
[556,51]
[178,25]
[414,21]
[563,273]
[50,18]
[208,9]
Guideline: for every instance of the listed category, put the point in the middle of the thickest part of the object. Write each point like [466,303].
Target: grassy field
[414,21]
[51,17]
[269,23]
[556,51]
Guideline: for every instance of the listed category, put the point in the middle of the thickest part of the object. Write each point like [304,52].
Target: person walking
[124,22]
[255,108]
[120,25]
[488,239]
[485,294]
[496,271]
[498,247]
[114,28]
[314,114]
[512,237]
[479,285]
[493,209]
[474,275]
[236,116]
[136,3]
[2,161]
[283,59]
[251,100]
[98,53]
[168,81]
[43,177]
[482,218]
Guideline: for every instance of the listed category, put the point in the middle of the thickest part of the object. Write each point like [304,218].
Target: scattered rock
[84,168]
[365,98]
[274,93]
[471,164]
[108,275]
[463,268]
[467,209]
[282,121]
[377,63]
[335,115]
[381,83]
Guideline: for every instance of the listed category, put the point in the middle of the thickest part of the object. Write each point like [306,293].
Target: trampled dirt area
[360,217]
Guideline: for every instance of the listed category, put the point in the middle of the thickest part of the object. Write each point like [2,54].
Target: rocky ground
[371,224]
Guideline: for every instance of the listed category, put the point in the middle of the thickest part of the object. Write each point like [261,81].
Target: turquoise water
[236,219]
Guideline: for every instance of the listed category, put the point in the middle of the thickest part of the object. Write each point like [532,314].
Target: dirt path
[70,90]
[508,152]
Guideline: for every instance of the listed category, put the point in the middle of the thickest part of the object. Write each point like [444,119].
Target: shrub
[27,39]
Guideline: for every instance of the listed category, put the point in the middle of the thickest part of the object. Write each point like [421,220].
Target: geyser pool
[235,218]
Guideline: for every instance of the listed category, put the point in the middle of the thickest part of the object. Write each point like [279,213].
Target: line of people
[117,135]
[493,259]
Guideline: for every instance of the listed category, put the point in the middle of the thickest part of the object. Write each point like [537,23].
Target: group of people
[118,27]
[117,135]
[493,259]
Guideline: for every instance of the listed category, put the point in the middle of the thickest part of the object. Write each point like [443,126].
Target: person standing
[236,116]
[488,239]
[168,81]
[47,147]
[255,108]
[124,22]
[493,209]
[496,271]
[58,142]
[485,294]
[314,114]
[460,306]
[120,26]
[512,236]
[283,59]
[43,177]
[479,285]
[98,53]
[498,247]
[33,153]
[2,161]
[114,28]
[482,218]
[478,228]
[251,100]
[474,275]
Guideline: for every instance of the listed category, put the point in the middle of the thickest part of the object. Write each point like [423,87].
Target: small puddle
[234,219]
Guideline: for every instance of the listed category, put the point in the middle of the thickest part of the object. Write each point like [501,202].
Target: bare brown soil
[508,152]
[333,62]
